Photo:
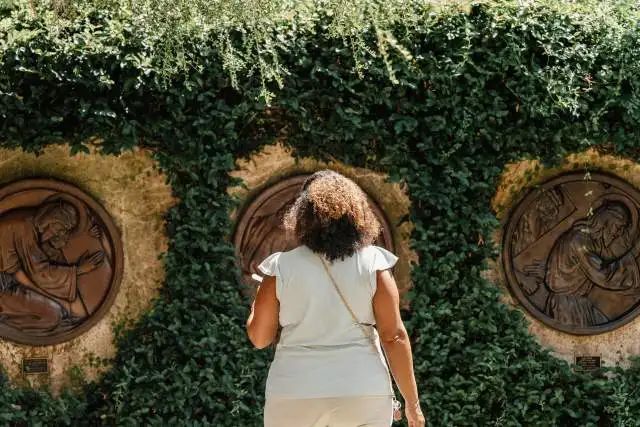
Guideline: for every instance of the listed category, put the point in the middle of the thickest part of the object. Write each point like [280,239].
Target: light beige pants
[368,411]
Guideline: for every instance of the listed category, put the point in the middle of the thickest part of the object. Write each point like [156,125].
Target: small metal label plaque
[588,363]
[38,365]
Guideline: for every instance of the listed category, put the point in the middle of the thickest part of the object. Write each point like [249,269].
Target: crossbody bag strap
[397,415]
[365,331]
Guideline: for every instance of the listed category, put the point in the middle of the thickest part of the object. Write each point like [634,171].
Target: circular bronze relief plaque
[259,231]
[570,252]
[61,262]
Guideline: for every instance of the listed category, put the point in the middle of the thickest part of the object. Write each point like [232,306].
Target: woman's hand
[415,417]
[396,345]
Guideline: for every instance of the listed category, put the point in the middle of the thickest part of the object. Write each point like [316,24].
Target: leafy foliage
[441,98]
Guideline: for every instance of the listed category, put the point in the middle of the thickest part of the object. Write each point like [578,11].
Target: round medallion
[570,252]
[61,261]
[259,231]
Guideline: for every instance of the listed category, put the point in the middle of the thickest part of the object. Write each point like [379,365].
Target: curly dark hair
[332,216]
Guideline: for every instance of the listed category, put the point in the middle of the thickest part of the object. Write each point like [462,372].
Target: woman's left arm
[262,324]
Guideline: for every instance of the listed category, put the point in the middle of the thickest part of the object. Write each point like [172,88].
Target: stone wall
[136,195]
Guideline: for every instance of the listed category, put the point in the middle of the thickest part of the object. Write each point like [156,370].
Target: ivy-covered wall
[466,90]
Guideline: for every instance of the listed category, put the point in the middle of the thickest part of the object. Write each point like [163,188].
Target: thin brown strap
[396,404]
[366,332]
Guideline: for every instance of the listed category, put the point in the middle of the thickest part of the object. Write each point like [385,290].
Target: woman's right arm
[395,341]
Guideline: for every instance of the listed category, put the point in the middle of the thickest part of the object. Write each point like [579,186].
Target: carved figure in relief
[267,236]
[38,289]
[539,220]
[584,257]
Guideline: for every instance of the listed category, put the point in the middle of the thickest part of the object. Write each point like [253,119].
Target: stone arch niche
[554,220]
[570,249]
[121,204]
[272,179]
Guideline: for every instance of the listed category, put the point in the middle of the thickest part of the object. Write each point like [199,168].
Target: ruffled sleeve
[270,266]
[383,259]
[380,260]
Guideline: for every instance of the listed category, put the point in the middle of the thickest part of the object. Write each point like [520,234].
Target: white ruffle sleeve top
[322,352]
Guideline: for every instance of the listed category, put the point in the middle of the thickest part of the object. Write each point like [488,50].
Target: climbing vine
[439,97]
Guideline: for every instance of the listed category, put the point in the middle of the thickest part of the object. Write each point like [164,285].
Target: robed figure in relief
[38,288]
[585,257]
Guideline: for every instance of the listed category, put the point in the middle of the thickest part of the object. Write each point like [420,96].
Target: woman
[326,372]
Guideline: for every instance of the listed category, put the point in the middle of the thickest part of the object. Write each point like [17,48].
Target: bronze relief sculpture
[61,262]
[259,231]
[570,252]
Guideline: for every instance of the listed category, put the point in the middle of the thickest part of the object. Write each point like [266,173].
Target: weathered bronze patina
[570,252]
[61,261]
[259,231]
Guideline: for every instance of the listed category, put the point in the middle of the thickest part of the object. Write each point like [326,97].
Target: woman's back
[322,351]
[311,312]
